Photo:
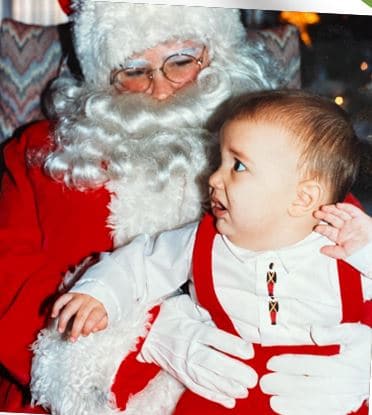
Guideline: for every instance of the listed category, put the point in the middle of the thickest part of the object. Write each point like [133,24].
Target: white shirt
[307,287]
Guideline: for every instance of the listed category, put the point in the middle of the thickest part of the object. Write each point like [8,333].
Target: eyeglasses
[177,68]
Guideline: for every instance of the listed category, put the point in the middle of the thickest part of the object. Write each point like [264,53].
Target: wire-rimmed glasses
[177,68]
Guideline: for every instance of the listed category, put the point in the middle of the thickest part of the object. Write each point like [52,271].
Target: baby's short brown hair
[330,148]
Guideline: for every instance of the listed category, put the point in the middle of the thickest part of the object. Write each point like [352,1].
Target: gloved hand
[184,342]
[322,385]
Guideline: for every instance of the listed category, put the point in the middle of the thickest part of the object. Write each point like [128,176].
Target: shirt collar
[287,255]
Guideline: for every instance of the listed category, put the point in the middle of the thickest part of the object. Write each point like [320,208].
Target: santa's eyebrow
[141,63]
[136,63]
[185,51]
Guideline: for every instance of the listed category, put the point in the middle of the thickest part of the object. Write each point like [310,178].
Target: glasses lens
[132,79]
[181,68]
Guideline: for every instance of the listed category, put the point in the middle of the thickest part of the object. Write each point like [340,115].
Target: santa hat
[65,6]
[107,32]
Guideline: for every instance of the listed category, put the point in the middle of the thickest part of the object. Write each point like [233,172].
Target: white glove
[184,342]
[322,385]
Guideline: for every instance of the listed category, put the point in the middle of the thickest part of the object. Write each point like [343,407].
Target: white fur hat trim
[106,33]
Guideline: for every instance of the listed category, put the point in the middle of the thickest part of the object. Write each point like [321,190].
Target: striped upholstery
[283,45]
[31,55]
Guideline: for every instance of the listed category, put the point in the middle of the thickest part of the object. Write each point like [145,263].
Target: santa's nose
[161,87]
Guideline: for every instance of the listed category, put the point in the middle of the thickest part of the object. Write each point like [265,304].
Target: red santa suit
[47,229]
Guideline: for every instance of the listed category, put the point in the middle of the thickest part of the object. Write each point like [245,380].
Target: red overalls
[257,402]
[133,376]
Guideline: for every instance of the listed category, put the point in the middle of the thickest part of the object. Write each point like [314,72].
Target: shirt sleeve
[145,271]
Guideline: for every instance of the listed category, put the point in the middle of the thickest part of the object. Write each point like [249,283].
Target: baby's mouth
[217,206]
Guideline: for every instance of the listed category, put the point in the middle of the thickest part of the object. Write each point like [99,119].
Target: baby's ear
[308,198]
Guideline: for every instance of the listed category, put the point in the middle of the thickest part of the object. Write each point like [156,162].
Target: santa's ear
[308,198]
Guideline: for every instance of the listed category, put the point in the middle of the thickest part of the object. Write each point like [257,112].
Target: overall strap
[203,277]
[351,293]
[354,309]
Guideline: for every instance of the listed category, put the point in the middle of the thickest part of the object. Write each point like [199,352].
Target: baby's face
[256,181]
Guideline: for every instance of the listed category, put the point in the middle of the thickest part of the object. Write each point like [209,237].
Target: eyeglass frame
[150,73]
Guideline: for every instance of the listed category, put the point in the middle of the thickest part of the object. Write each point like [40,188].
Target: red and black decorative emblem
[271,279]
[273,310]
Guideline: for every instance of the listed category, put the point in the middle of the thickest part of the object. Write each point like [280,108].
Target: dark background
[338,63]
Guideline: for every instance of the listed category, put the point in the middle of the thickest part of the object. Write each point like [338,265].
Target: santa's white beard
[165,179]
[153,156]
[105,136]
[100,134]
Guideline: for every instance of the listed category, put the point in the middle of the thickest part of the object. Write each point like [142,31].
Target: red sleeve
[40,227]
[21,253]
[350,198]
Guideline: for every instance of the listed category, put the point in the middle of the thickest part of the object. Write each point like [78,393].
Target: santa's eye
[239,166]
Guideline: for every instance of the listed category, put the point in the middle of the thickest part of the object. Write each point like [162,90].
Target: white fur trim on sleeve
[75,378]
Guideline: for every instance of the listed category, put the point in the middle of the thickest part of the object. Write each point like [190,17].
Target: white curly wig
[102,135]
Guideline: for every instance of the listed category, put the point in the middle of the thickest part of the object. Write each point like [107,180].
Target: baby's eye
[239,166]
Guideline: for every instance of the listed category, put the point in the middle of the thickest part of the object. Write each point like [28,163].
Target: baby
[255,262]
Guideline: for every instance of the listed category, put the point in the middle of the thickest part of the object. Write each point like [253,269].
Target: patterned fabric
[30,56]
[283,44]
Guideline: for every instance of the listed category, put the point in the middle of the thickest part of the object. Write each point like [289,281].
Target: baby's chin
[222,226]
